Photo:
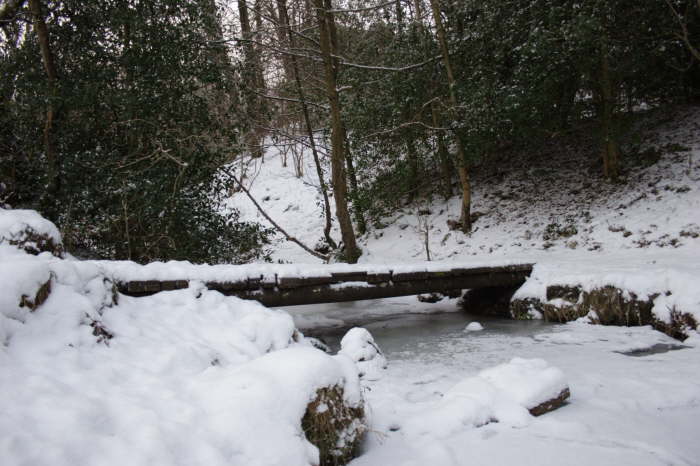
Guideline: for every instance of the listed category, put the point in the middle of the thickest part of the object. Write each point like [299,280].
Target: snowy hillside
[542,208]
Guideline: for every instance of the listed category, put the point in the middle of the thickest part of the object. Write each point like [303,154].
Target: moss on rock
[607,305]
[333,426]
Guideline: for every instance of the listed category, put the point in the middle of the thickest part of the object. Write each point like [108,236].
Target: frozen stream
[624,410]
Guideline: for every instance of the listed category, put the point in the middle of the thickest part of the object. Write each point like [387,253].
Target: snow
[501,394]
[179,378]
[192,377]
[15,224]
[658,205]
[671,277]
[623,410]
[359,346]
[642,235]
[473,327]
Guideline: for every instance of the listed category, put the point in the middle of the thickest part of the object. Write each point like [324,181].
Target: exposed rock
[568,293]
[41,296]
[431,298]
[607,305]
[333,426]
[319,343]
[551,405]
[30,232]
[103,335]
[526,308]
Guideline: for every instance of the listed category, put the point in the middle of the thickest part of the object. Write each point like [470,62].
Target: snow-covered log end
[510,394]
[668,300]
[30,232]
[531,383]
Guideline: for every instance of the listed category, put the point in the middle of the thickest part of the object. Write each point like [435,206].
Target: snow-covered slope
[539,209]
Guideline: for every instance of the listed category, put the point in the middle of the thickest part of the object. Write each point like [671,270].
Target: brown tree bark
[352,175]
[462,168]
[53,176]
[413,168]
[251,75]
[338,178]
[610,147]
[294,66]
[443,155]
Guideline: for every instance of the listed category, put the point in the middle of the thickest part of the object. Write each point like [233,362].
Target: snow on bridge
[290,285]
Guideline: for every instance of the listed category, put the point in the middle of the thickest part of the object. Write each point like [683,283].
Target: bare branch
[287,236]
[360,10]
[684,35]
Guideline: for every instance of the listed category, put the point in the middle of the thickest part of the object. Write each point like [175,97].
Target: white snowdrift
[15,222]
[503,394]
[359,345]
[180,378]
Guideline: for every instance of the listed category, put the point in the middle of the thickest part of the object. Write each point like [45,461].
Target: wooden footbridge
[289,286]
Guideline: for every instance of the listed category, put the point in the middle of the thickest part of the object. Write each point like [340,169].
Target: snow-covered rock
[179,378]
[505,394]
[661,294]
[29,231]
[359,345]
[473,327]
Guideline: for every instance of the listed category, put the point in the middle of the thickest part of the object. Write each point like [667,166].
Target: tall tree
[462,163]
[326,25]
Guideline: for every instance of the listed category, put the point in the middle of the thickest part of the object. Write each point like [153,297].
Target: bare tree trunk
[418,10]
[413,184]
[53,185]
[357,210]
[465,214]
[610,149]
[251,77]
[284,20]
[340,189]
[443,156]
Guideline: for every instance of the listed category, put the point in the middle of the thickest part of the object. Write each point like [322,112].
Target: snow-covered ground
[642,235]
[623,409]
[191,377]
[534,211]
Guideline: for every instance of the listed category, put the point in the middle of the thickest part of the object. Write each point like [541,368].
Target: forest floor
[552,208]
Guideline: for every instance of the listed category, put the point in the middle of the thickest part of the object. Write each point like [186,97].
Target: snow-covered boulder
[30,232]
[667,299]
[179,378]
[510,393]
[473,327]
[359,345]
